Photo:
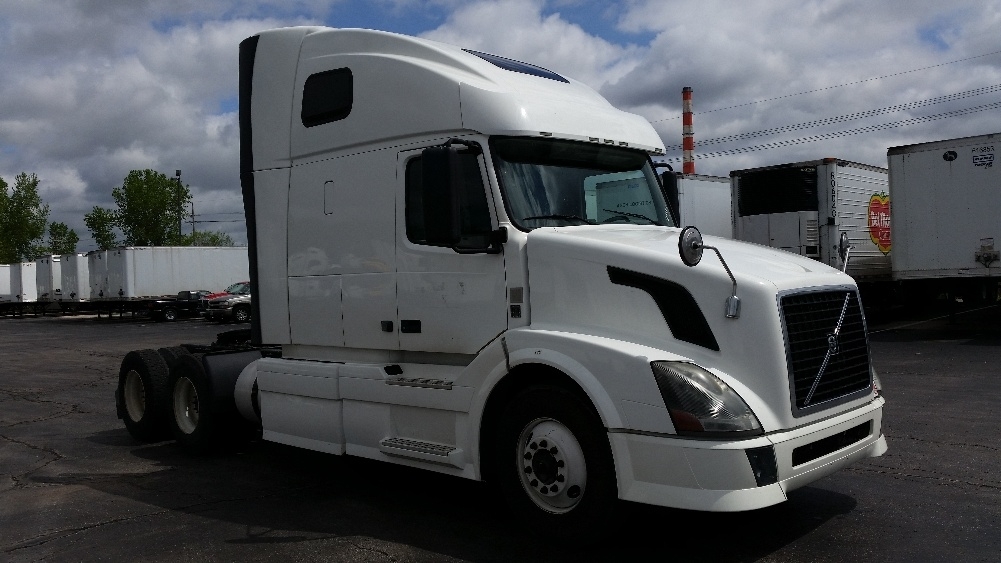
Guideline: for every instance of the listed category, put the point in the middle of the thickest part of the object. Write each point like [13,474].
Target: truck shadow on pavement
[278,496]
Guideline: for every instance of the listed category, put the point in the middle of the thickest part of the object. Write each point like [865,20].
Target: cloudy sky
[91,89]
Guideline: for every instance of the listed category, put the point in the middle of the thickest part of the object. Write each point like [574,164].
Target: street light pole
[180,205]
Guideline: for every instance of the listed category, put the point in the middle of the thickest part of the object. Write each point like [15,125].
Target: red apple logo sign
[879,221]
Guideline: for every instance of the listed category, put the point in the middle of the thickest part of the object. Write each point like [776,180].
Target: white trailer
[947,210]
[804,208]
[48,277]
[75,277]
[154,271]
[97,274]
[702,201]
[22,282]
[465,264]
[5,284]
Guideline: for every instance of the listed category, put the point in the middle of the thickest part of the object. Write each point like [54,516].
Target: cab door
[448,302]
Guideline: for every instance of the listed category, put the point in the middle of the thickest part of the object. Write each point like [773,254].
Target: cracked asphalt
[74,486]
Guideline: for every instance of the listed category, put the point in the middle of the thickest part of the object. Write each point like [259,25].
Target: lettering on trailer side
[983,156]
[834,195]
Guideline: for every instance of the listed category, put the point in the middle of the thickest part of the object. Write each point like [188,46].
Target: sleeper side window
[327,97]
[473,206]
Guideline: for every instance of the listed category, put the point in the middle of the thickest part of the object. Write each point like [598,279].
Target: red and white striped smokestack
[687,133]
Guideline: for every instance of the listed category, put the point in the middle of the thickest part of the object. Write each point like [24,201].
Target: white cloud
[518,29]
[93,89]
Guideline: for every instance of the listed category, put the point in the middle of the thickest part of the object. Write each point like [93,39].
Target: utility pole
[192,216]
[180,206]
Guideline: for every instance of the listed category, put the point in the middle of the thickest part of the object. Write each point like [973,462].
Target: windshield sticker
[879,221]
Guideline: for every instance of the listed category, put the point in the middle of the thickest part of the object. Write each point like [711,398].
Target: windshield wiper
[561,217]
[628,214]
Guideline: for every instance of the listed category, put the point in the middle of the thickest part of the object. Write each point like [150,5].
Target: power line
[843,118]
[845,133]
[835,86]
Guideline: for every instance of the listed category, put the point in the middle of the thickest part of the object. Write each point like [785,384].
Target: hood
[655,248]
[228,298]
[628,283]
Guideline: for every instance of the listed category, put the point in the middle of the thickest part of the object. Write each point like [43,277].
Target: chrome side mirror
[844,249]
[690,247]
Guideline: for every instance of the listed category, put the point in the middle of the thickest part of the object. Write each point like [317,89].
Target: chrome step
[423,450]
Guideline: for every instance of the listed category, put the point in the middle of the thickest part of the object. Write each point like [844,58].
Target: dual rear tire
[166,393]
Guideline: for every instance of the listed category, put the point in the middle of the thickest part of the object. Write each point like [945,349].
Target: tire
[191,417]
[170,355]
[170,314]
[555,465]
[241,313]
[142,395]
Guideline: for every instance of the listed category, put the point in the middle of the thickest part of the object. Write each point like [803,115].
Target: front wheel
[556,469]
[241,313]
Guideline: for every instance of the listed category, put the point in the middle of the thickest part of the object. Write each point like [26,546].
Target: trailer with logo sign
[805,207]
[946,222]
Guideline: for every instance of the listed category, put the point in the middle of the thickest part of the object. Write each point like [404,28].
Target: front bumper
[715,475]
[219,314]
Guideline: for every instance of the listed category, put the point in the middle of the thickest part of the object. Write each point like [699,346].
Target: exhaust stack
[687,133]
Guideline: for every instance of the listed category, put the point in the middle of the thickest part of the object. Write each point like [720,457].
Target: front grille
[810,324]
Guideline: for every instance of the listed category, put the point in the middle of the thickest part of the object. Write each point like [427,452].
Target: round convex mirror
[690,246]
[843,246]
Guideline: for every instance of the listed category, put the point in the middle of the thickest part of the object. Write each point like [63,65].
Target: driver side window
[473,206]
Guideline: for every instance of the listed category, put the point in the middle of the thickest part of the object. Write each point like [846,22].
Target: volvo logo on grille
[833,347]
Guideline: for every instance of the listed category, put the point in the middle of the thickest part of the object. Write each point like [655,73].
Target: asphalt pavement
[74,486]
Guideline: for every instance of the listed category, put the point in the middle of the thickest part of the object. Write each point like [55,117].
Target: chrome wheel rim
[186,406]
[551,465]
[135,395]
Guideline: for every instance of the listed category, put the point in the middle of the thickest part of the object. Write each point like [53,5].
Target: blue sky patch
[932,35]
[413,20]
[598,18]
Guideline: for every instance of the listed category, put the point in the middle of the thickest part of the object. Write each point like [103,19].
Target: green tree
[207,238]
[62,239]
[101,224]
[23,217]
[150,208]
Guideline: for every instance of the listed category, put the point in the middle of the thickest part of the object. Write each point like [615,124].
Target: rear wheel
[143,397]
[170,314]
[170,355]
[555,464]
[191,420]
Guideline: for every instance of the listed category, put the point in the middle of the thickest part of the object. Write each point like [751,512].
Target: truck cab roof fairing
[411,86]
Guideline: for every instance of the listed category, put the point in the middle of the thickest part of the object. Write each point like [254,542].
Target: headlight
[700,402]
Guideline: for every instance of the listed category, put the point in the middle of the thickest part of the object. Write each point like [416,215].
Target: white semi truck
[465,264]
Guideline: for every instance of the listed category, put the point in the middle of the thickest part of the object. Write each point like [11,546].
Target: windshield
[238,288]
[554,183]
